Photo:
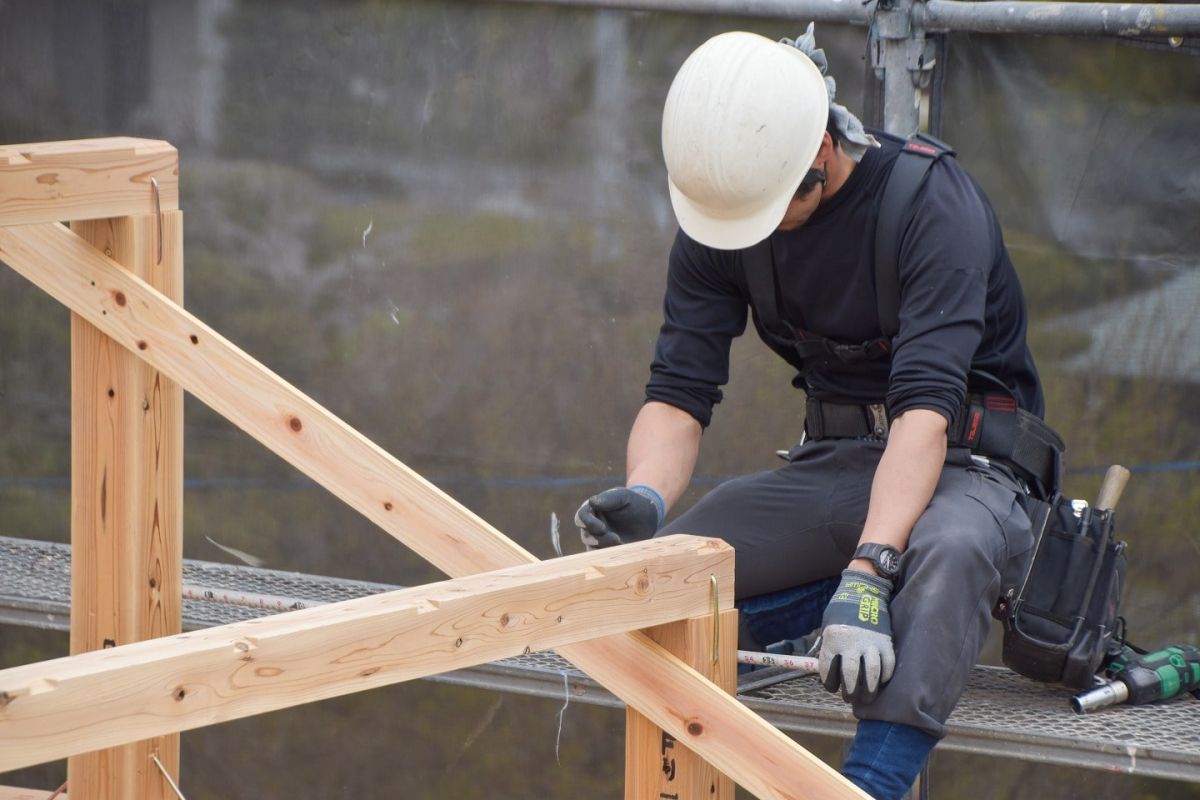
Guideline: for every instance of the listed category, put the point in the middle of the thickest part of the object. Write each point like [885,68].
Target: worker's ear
[827,148]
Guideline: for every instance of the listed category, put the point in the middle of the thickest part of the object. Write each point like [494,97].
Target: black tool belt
[827,420]
[989,425]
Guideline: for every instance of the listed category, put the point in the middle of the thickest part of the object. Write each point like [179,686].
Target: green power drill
[1147,678]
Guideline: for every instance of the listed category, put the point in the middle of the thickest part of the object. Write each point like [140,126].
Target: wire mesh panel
[1001,712]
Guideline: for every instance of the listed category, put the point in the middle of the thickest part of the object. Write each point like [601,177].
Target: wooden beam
[671,694]
[127,498]
[656,764]
[86,179]
[100,699]
[13,793]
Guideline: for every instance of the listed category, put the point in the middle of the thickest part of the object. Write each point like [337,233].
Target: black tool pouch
[1060,621]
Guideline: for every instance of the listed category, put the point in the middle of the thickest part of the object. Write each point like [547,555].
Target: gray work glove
[620,515]
[856,641]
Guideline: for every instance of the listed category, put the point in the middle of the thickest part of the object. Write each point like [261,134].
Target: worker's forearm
[662,452]
[904,482]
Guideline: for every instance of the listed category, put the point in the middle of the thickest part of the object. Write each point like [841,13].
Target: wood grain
[127,498]
[86,179]
[656,765]
[13,793]
[108,697]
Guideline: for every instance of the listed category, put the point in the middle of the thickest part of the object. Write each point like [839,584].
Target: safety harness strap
[803,349]
[988,424]
[908,173]
[806,350]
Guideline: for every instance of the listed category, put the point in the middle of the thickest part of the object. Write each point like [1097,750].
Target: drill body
[1149,678]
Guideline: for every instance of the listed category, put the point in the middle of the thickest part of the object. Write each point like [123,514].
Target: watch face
[885,558]
[889,561]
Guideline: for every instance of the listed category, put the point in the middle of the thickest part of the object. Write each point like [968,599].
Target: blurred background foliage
[447,222]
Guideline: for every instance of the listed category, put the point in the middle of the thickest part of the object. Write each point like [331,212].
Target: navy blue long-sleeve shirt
[961,306]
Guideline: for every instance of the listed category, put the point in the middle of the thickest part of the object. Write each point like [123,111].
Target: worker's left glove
[856,640]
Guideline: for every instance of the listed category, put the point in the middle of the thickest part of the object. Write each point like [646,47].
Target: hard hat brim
[708,227]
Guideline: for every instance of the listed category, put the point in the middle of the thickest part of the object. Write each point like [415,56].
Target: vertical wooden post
[126,498]
[657,767]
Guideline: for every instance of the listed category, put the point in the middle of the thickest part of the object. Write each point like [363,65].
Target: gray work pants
[801,523]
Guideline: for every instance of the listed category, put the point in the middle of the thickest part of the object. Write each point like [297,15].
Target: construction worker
[888,527]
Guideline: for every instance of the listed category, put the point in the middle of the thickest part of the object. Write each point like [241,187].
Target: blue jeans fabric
[787,614]
[886,757]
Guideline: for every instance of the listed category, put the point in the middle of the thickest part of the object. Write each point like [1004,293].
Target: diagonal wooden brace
[669,693]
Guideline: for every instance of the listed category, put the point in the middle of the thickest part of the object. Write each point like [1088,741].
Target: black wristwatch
[884,557]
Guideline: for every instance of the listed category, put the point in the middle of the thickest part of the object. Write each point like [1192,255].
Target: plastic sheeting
[1089,151]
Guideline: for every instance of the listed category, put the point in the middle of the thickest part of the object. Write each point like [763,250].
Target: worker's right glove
[620,515]
[856,640]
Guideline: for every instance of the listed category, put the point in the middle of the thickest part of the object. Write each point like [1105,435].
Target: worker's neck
[837,171]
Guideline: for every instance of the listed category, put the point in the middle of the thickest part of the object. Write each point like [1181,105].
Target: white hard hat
[742,124]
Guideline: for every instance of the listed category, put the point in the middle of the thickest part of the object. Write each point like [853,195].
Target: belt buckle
[879,420]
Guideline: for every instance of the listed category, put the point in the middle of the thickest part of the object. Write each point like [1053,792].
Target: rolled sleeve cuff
[696,402]
[948,407]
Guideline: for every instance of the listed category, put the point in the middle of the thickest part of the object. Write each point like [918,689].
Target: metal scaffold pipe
[944,16]
[846,11]
[1078,19]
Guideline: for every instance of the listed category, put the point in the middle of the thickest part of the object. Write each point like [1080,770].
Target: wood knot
[458,642]
[48,178]
[179,694]
[643,583]
[195,339]
[153,583]
[142,345]
[295,424]
[366,673]
[120,298]
[695,728]
[268,672]
[111,392]
[5,699]
[504,620]
[387,506]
